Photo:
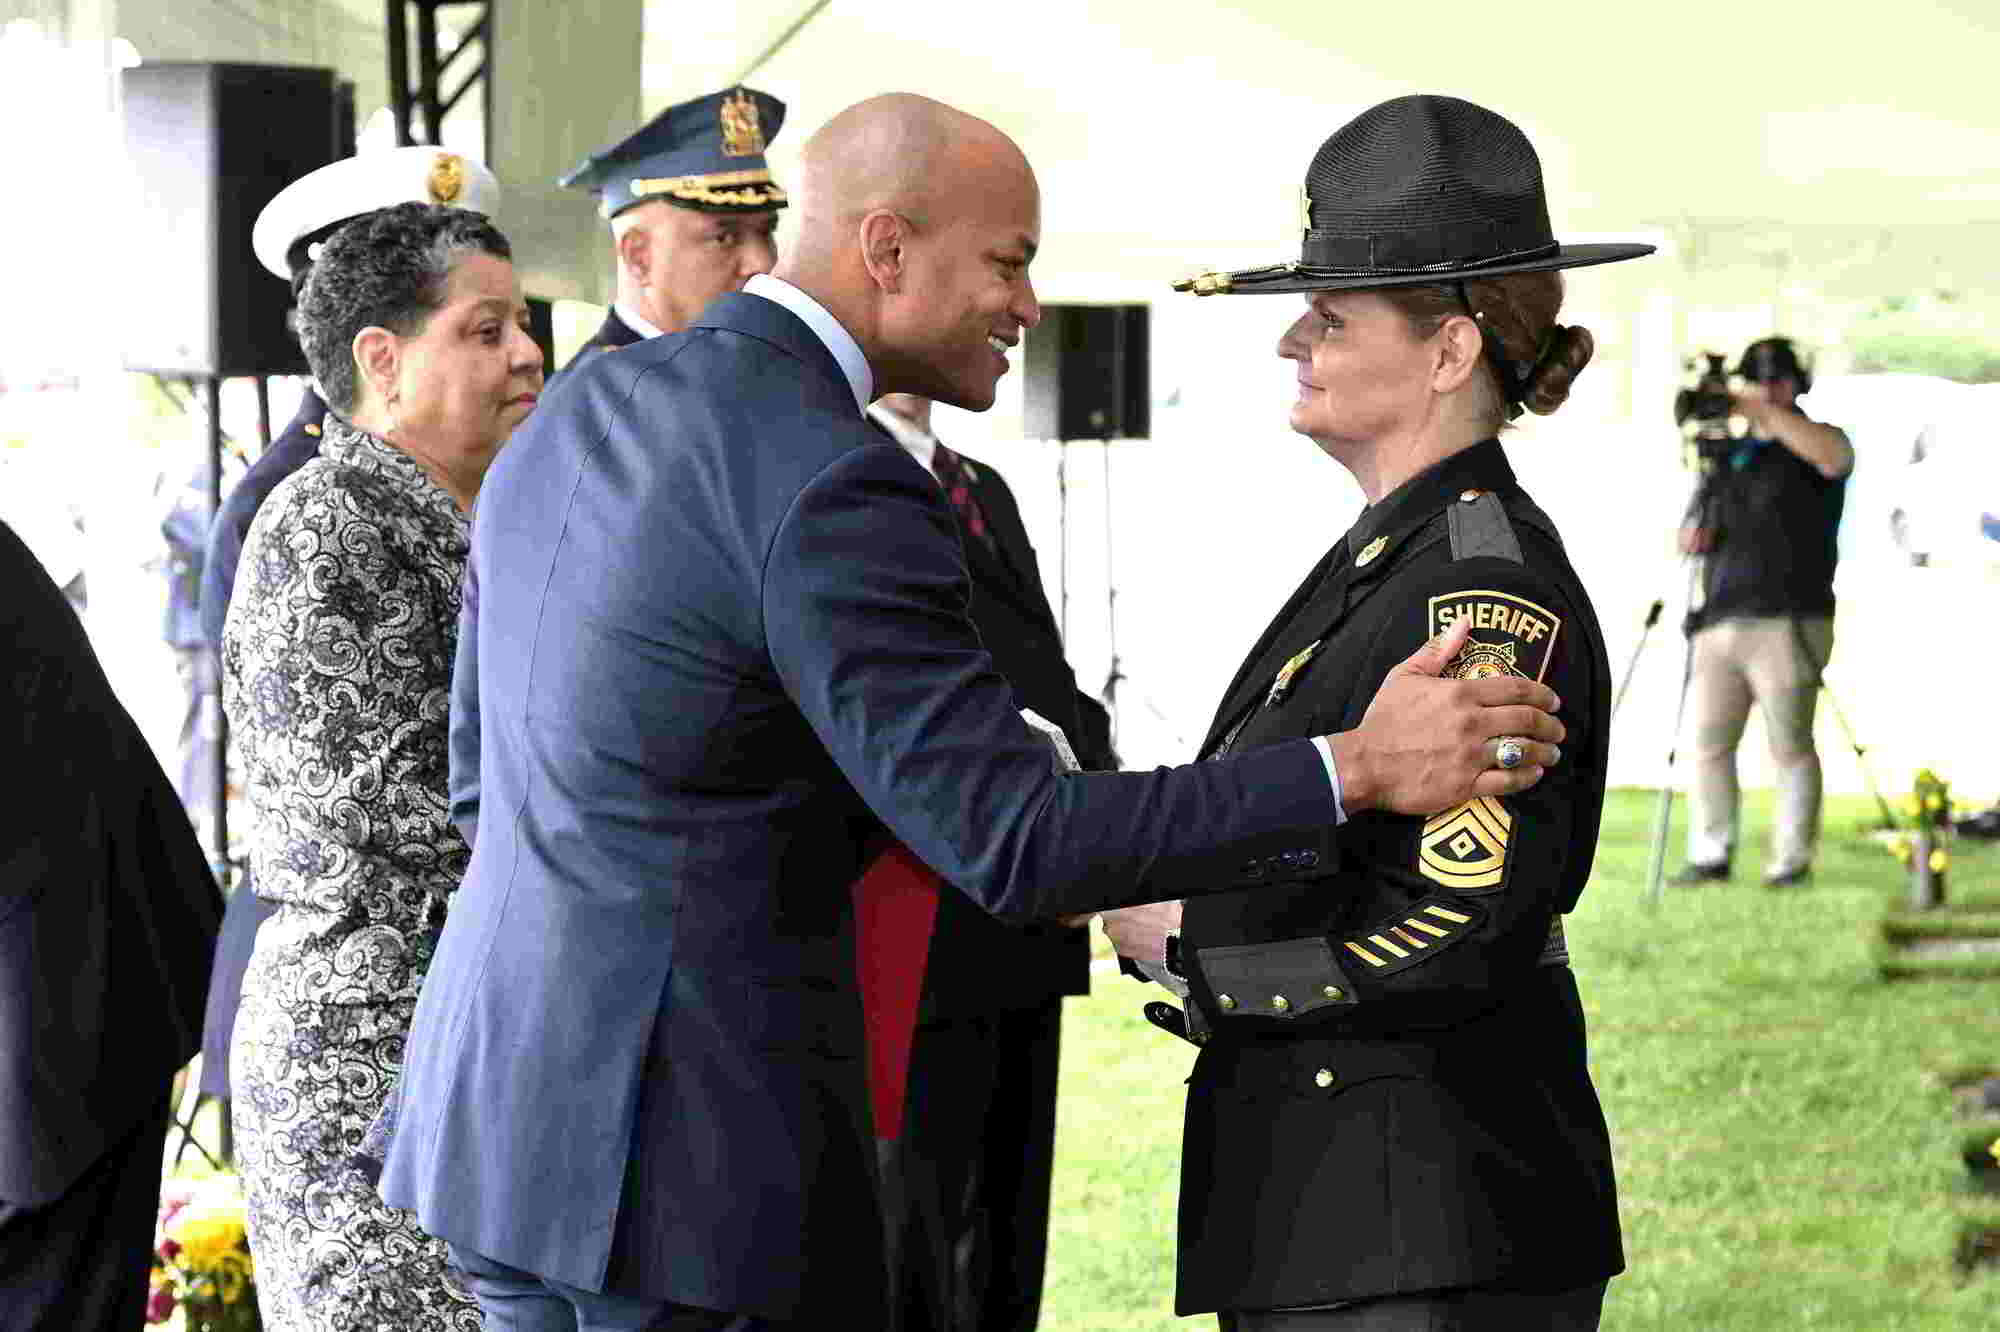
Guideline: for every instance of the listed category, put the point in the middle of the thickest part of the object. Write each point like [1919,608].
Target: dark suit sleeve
[864,595]
[1503,862]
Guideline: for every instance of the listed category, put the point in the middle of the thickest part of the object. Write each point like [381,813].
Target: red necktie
[895,906]
[955,475]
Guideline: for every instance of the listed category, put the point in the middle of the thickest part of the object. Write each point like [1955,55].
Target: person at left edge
[286,237]
[108,915]
[723,634]
[693,211]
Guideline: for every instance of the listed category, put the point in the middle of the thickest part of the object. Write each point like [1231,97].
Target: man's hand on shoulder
[1427,744]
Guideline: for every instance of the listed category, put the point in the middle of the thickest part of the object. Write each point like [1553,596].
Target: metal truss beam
[417,66]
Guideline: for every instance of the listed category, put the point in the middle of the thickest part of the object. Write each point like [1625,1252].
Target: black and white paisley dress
[336,673]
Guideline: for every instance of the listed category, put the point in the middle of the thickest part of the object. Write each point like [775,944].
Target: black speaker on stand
[207,146]
[1089,378]
[1088,373]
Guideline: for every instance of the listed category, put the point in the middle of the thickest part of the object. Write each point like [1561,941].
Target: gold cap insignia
[1369,552]
[742,127]
[447,178]
[1305,209]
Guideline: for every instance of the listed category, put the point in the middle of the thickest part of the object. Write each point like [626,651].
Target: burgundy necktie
[955,475]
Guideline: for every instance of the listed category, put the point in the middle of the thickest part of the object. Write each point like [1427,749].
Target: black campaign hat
[1419,189]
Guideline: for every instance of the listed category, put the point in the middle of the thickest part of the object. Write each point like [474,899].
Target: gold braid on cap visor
[711,189]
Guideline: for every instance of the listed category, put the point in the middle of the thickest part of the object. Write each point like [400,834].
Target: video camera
[1707,406]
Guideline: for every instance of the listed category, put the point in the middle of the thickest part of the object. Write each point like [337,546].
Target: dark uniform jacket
[977,964]
[611,334]
[1392,1094]
[108,911]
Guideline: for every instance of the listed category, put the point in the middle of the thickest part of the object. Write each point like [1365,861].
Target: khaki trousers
[1773,664]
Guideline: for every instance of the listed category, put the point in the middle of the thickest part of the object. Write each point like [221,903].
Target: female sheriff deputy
[1390,1124]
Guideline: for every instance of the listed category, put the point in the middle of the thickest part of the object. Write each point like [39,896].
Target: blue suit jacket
[721,640]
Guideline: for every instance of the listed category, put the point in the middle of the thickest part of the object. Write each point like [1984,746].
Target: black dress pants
[80,1263]
[1471,1310]
[966,1187]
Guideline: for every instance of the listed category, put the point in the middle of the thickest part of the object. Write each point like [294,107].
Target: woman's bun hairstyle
[1547,385]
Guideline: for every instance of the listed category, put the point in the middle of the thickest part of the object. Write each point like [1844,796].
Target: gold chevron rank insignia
[1465,849]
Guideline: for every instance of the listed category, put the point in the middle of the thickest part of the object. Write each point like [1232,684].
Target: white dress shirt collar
[826,328]
[921,443]
[634,320]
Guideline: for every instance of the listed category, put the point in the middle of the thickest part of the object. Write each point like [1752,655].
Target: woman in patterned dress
[337,659]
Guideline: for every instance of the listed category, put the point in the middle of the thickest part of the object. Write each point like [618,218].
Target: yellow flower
[233,1277]
[1938,861]
[208,1239]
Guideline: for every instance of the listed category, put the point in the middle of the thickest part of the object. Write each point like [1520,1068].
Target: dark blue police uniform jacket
[722,638]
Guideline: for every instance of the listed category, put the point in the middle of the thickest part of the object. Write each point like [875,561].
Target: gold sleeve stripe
[1444,914]
[1386,946]
[1364,954]
[1427,928]
[1408,938]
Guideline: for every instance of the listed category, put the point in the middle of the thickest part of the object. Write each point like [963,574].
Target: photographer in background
[1763,521]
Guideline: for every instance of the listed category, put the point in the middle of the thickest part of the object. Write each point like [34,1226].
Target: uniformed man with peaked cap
[692,207]
[286,238]
[1391,1124]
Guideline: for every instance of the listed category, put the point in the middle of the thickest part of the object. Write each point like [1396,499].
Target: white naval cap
[357,185]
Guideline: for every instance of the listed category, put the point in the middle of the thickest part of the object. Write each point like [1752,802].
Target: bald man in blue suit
[722,647]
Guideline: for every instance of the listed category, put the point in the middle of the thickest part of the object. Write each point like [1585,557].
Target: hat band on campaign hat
[1452,246]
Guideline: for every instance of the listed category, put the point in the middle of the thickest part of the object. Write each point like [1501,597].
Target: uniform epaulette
[1480,528]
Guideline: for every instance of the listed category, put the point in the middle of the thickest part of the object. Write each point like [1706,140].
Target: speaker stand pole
[1115,674]
[263,415]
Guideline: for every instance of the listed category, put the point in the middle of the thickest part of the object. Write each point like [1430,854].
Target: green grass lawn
[1788,1154]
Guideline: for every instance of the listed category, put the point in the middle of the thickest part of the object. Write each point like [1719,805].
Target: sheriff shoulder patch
[1465,849]
[1510,635]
